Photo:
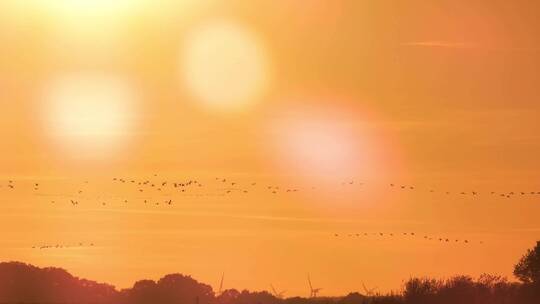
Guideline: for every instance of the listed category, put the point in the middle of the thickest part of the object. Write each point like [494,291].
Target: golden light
[224,65]
[91,7]
[89,113]
[324,141]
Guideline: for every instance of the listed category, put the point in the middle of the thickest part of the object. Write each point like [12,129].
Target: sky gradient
[306,95]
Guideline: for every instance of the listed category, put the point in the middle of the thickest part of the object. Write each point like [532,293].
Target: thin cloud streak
[249,217]
[441,44]
[466,45]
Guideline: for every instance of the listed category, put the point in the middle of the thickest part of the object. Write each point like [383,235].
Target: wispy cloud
[254,217]
[468,45]
[440,44]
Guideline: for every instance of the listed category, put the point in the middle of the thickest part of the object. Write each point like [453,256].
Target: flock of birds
[153,188]
[509,194]
[226,186]
[409,234]
[59,246]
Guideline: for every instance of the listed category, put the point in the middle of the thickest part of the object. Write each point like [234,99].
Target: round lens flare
[89,114]
[224,66]
[325,145]
[91,7]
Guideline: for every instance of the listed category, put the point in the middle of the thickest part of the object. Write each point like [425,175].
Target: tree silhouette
[527,270]
[25,284]
[172,288]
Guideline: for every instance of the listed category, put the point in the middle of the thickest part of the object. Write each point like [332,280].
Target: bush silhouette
[527,270]
[22,283]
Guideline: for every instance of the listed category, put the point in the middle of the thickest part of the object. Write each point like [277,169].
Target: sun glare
[324,143]
[224,65]
[89,113]
[100,7]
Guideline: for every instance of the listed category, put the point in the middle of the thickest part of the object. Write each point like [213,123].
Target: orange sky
[301,95]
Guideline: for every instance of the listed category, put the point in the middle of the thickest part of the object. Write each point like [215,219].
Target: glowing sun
[224,65]
[89,113]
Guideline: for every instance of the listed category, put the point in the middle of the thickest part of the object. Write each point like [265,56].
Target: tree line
[25,284]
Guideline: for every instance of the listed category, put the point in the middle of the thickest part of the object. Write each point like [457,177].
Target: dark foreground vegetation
[22,283]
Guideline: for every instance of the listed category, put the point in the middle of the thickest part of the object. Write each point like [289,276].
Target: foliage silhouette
[527,270]
[23,283]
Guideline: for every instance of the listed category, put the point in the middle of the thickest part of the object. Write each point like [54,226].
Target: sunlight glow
[89,113]
[224,65]
[91,7]
[324,144]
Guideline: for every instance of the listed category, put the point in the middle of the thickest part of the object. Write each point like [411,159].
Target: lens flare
[322,142]
[224,65]
[89,114]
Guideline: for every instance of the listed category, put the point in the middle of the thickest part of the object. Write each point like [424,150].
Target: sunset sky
[336,99]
